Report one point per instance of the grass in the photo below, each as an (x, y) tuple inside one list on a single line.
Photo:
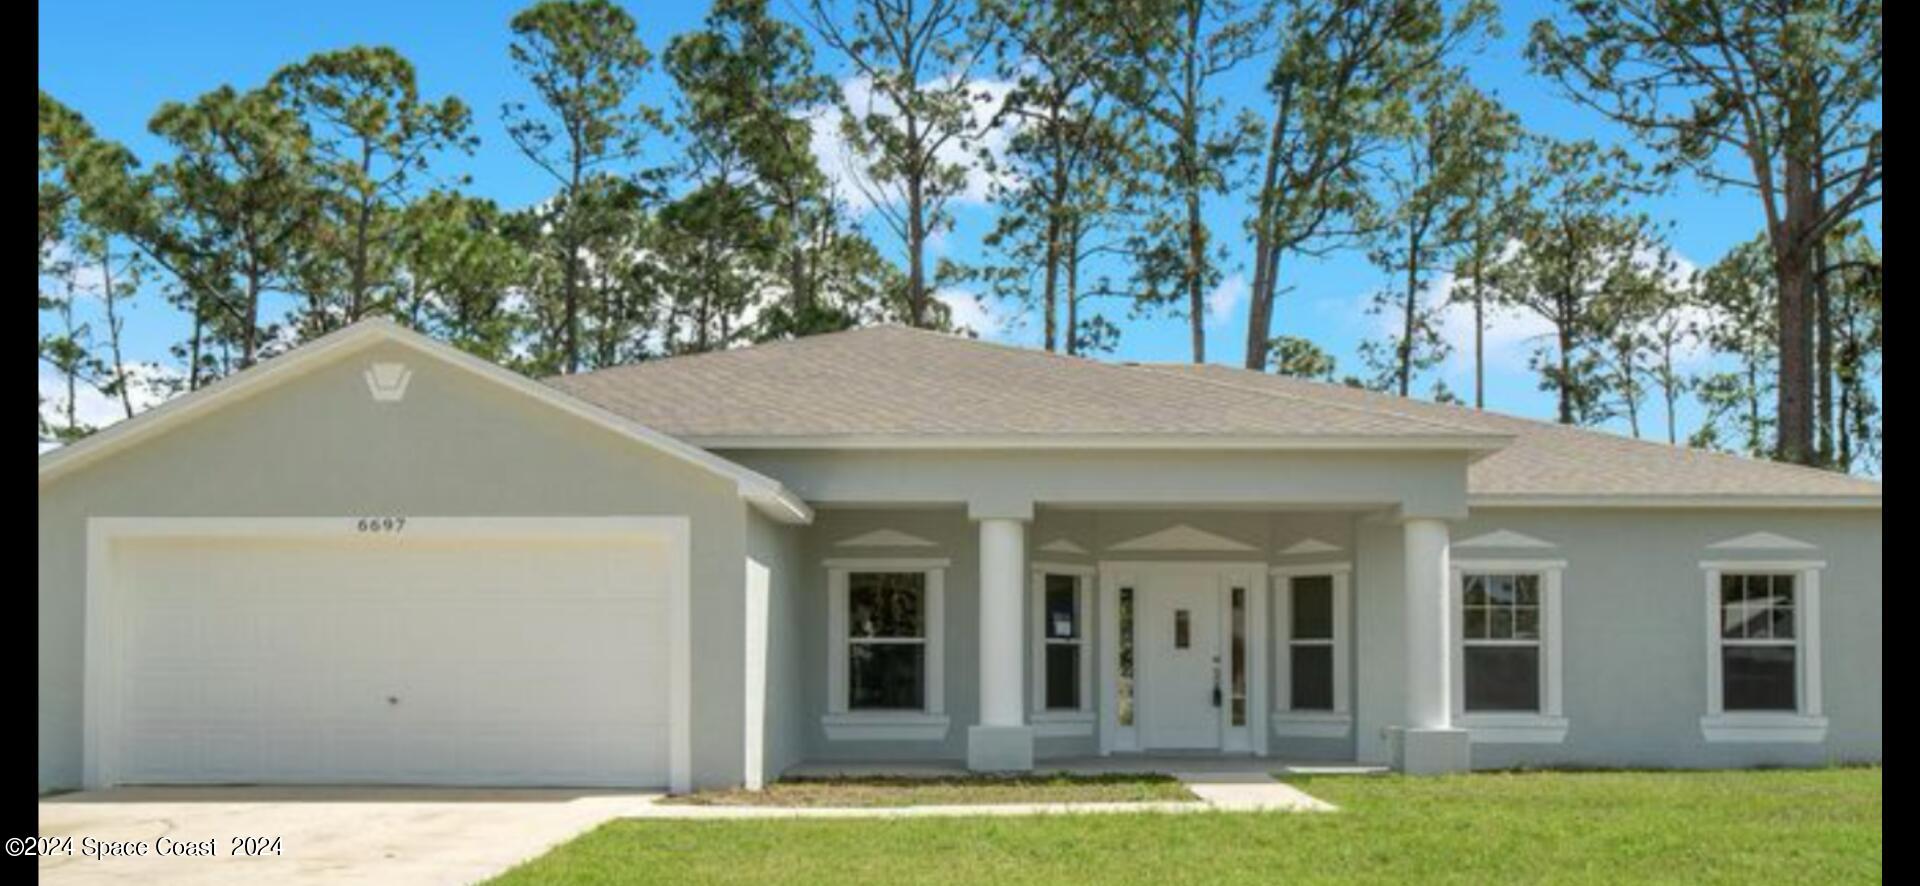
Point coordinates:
[(1819, 826), (958, 790)]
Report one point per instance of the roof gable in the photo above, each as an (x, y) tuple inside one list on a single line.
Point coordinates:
[(388, 384)]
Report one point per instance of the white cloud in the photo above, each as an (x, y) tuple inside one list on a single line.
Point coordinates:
[(1225, 299), (969, 311), (842, 164), (95, 409)]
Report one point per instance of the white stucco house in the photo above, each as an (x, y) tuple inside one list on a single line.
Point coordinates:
[(378, 560)]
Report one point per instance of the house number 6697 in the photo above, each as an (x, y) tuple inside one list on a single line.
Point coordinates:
[(384, 525)]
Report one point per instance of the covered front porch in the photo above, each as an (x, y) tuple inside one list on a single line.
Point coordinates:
[(1099, 638)]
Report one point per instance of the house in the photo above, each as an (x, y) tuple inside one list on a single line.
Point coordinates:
[(377, 559)]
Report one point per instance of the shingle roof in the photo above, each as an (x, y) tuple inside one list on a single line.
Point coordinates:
[(897, 383), (892, 381), (1552, 460)]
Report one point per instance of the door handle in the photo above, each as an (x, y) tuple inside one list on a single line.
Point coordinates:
[(1216, 695)]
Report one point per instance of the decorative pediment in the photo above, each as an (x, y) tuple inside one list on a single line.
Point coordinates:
[(1309, 546), (885, 538), (1062, 546), (1504, 538), (1761, 541), (1181, 538), (387, 382)]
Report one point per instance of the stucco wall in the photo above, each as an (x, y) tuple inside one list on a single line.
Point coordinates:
[(778, 548), (456, 446), (1634, 618)]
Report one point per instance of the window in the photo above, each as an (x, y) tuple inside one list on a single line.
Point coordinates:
[(884, 669), (886, 640), (1062, 651), (1506, 653), (1310, 648), (1763, 657), (1238, 674), (1500, 625), (1123, 706), (1310, 663)]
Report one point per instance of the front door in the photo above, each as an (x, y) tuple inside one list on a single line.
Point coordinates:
[(1179, 703)]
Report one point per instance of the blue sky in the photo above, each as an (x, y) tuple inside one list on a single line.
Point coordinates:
[(117, 61)]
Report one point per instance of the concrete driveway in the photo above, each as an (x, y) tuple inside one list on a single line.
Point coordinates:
[(326, 835)]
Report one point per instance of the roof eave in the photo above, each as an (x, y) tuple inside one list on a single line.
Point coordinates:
[(1471, 443), (1678, 501)]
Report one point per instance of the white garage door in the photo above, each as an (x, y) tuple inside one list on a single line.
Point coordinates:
[(399, 660)]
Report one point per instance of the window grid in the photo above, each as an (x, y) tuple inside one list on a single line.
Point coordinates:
[(1298, 636), (1073, 637), (1502, 610), (860, 634)]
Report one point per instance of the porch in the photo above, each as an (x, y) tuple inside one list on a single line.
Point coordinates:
[(1111, 640)]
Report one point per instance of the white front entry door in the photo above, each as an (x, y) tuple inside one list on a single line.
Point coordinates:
[(1179, 705)]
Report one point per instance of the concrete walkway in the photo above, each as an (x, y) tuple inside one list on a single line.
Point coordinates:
[(1220, 784)]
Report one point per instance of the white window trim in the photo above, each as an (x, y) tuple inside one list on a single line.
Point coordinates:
[(929, 724), (1059, 722), (1804, 725), (1549, 725), (1285, 721)]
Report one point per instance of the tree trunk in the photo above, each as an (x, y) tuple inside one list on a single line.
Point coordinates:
[(1411, 311), (1190, 180), (110, 300), (1479, 336), (1260, 298), (1564, 332), (1073, 288), (1794, 415)]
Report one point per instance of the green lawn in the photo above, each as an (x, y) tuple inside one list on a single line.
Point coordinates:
[(969, 790), (1814, 826)]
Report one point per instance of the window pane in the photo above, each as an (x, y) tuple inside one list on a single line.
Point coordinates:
[(1238, 676), (1502, 678), (1733, 620), (1063, 617), (1526, 590), (1500, 589), (1731, 588), (1475, 626), (1124, 704), (885, 604), (1063, 677), (1182, 633), (1500, 623), (1757, 678), (1526, 623), (1313, 607), (1783, 590), (887, 676), (1312, 678), (1475, 592), (1782, 622)]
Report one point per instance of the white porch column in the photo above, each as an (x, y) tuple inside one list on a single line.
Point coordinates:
[(1429, 683), (1428, 742), (1002, 741), (1003, 558)]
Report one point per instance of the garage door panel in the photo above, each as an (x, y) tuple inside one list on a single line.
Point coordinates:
[(439, 662)]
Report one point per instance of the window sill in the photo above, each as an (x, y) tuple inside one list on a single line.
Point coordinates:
[(885, 726), (1514, 728), (1764, 727), (1311, 724), (1062, 724)]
